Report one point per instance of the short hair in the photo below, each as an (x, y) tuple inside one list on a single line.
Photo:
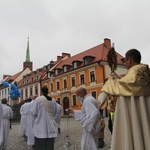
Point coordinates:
[(44, 90), (29, 99), (81, 89), (4, 101), (134, 54)]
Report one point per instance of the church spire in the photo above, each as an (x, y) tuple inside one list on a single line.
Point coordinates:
[(28, 52), (28, 63)]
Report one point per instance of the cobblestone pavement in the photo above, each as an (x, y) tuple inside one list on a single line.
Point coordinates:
[(69, 127)]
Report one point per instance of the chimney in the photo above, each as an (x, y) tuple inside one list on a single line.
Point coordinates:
[(65, 54), (59, 58), (4, 76), (107, 43)]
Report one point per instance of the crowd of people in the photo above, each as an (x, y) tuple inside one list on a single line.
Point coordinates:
[(128, 102)]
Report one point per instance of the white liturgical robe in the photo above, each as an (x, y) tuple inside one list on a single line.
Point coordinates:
[(131, 130), (89, 117), (23, 123), (43, 124), (5, 125), (30, 124)]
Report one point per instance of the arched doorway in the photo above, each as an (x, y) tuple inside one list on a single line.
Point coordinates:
[(65, 104)]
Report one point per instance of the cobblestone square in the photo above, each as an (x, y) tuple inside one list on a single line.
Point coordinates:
[(69, 127)]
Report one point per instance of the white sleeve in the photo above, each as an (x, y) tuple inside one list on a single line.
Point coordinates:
[(102, 97)]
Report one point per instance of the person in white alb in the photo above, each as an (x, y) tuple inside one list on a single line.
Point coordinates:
[(89, 116), (43, 111), (5, 124), (24, 113)]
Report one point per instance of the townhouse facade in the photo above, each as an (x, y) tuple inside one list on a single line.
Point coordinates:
[(31, 83), (88, 69)]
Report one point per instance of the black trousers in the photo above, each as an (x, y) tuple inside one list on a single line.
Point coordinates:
[(44, 143)]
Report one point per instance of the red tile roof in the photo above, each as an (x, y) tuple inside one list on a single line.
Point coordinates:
[(99, 52), (12, 78)]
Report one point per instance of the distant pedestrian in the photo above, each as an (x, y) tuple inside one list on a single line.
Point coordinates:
[(5, 124)]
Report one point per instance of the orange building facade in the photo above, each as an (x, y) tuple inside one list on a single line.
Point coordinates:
[(88, 69)]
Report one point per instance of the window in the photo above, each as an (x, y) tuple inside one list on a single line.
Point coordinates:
[(88, 60), (82, 78), (92, 76), (58, 85), (73, 81), (26, 93), (56, 72), (51, 87), (75, 65), (37, 78), (65, 68), (36, 90), (74, 100), (31, 91), (94, 94), (65, 83)]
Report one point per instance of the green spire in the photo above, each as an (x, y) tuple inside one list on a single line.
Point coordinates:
[(28, 52)]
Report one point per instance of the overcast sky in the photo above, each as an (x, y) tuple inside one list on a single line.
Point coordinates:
[(71, 26)]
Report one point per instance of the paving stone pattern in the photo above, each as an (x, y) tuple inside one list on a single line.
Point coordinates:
[(69, 127)]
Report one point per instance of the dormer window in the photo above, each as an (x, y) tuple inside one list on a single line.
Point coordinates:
[(65, 68), (76, 64), (56, 72), (45, 68), (88, 60)]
